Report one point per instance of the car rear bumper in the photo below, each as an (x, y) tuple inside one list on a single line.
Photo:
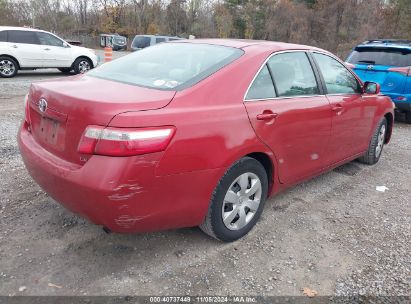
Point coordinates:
[(121, 193)]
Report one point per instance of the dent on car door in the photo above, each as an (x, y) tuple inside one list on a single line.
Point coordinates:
[(352, 115), (290, 114), (26, 47), (55, 53)]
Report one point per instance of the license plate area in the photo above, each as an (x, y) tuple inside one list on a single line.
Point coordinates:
[(50, 132)]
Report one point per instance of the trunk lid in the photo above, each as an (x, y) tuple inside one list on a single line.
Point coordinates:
[(61, 109)]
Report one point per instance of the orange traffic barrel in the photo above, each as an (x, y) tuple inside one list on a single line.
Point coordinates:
[(108, 54)]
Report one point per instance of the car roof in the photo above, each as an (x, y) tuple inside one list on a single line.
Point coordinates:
[(159, 36), (17, 28), (386, 43), (244, 43)]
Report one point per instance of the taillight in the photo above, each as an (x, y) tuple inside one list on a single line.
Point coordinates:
[(403, 70), (26, 109), (125, 141)]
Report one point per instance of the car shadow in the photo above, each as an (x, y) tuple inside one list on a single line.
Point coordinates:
[(41, 73)]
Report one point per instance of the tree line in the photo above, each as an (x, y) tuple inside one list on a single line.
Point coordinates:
[(335, 25)]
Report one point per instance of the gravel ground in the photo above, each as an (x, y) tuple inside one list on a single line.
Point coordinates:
[(334, 234)]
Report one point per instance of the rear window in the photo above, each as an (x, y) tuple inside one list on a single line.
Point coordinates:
[(141, 42), (160, 39), (168, 66), (381, 56), (28, 37)]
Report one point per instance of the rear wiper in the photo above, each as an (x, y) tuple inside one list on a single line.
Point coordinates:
[(367, 61)]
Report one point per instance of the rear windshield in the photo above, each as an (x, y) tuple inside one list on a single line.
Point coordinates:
[(381, 56), (168, 66)]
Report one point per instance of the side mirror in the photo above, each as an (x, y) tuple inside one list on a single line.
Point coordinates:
[(371, 87), (66, 45)]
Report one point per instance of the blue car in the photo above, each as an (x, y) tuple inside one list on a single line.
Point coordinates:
[(387, 62)]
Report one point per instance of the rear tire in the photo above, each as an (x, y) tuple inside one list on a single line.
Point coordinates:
[(8, 67), (82, 65), (237, 201), (376, 145), (65, 70), (408, 117)]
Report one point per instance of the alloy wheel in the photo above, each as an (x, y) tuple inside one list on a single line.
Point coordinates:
[(7, 67), (380, 142), (84, 66)]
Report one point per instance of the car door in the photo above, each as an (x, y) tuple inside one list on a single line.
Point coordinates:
[(290, 114), (352, 115), (56, 52), (26, 47)]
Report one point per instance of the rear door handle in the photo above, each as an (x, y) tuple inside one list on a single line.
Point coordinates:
[(266, 115), (47, 49), (14, 46)]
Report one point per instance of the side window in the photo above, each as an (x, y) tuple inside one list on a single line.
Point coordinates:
[(160, 39), (28, 37), (338, 79), (142, 41), (47, 39), (293, 75), (262, 86), (3, 36)]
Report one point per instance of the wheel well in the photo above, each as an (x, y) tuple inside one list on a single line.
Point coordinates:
[(390, 122), (14, 58), (265, 160), (85, 57)]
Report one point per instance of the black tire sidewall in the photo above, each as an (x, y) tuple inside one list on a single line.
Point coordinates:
[(244, 165), (15, 65)]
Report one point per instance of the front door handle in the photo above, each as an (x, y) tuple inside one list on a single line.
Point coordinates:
[(337, 108), (14, 46), (47, 49), (266, 115)]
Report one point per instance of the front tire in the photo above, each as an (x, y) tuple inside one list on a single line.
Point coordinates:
[(82, 65), (8, 67), (237, 201), (376, 145)]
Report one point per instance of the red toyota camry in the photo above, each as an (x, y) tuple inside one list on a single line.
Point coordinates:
[(198, 132)]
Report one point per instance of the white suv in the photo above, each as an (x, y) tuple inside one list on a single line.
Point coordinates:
[(29, 49)]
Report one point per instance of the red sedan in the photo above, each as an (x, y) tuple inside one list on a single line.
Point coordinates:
[(198, 132)]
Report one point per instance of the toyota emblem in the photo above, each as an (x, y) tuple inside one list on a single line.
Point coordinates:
[(42, 105)]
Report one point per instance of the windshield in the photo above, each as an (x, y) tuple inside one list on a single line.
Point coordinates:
[(168, 66), (381, 56), (119, 39)]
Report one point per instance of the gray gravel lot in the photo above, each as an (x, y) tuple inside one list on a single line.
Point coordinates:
[(335, 234)]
